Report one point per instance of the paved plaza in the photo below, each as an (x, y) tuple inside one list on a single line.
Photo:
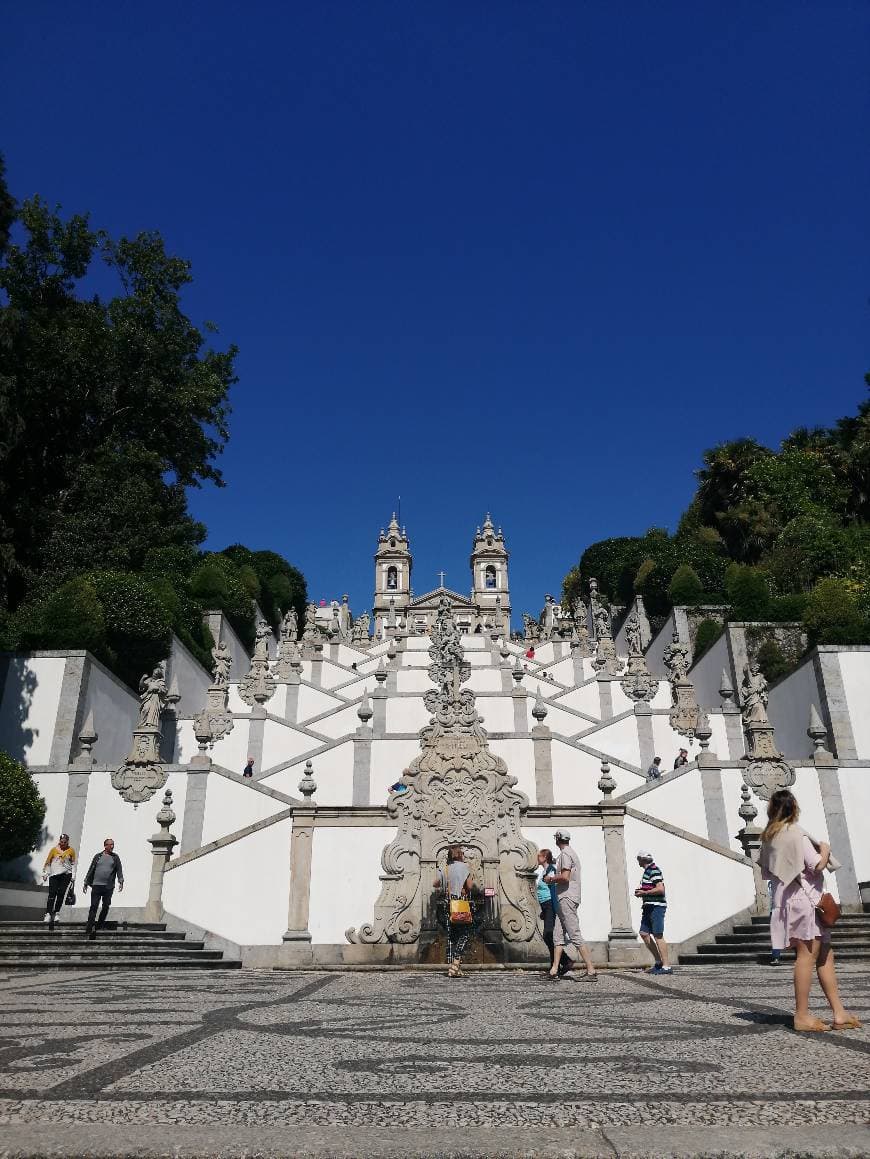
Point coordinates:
[(412, 1063)]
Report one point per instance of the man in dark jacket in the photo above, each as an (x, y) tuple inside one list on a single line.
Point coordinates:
[(104, 870)]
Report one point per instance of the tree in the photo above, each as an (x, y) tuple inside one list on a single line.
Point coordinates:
[(832, 615), (708, 633), (22, 810), (110, 406), (747, 592), (685, 587)]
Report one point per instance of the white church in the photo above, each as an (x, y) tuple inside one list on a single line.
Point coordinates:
[(373, 752)]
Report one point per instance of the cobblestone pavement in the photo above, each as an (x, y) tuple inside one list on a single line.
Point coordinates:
[(413, 1063)]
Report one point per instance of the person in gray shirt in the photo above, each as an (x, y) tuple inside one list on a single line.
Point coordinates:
[(104, 871)]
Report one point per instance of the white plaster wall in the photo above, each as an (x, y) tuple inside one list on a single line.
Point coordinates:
[(576, 774), (345, 881), (855, 787), (412, 680), (855, 671), (618, 739), (668, 742), (277, 704), (588, 842), (498, 712), (564, 722), (679, 801), (53, 788), (193, 680), (732, 781), (563, 671), (474, 643), (408, 714), (703, 887), (585, 699), (240, 891), (544, 653), (706, 675), (115, 710), (355, 689), (28, 709), (221, 629), (107, 815), (547, 690), (390, 758), (479, 659), (230, 806), (231, 751), (481, 680), (348, 656), (331, 675), (344, 722), (519, 757), (312, 702), (417, 644), (333, 772), (657, 646), (789, 710), (235, 702), (282, 743)]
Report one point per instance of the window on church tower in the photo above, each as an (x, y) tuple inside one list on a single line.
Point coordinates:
[(489, 577), (392, 579)]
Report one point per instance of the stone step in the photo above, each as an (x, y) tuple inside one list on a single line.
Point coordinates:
[(714, 959), (764, 939), (11, 927), (63, 946), (845, 919), (94, 949), (65, 933), (113, 961)]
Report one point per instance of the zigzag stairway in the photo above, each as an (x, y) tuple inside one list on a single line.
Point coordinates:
[(750, 943)]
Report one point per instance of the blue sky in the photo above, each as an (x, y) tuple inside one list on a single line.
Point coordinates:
[(531, 257)]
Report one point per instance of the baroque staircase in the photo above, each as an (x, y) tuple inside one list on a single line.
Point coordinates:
[(750, 943), (138, 945)]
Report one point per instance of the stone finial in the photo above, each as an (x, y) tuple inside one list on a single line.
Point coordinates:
[(381, 673), (518, 672), (87, 739), (504, 651), (818, 734), (703, 731), (308, 785), (726, 691), (365, 711), (539, 709), (391, 647), (173, 695), (747, 810), (606, 782), (166, 816)]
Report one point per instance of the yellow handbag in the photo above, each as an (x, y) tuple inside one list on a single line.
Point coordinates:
[(460, 911)]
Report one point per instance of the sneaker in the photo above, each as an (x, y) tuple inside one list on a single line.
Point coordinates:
[(656, 969), (664, 970), (775, 961), (47, 917)]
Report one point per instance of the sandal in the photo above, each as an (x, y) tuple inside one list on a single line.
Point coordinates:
[(850, 1023), (817, 1027)]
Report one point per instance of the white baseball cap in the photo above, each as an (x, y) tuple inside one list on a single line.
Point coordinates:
[(644, 855), (562, 835)]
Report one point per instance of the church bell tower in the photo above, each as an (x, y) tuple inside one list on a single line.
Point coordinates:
[(489, 572), (392, 576)]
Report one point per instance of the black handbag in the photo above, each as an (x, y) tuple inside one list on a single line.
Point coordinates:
[(70, 898)]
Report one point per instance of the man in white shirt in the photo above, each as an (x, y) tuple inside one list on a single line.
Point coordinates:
[(567, 882)]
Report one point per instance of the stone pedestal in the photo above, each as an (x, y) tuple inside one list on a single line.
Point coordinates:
[(300, 876), (162, 844)]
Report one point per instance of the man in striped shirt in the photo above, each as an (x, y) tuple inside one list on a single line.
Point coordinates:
[(651, 891)]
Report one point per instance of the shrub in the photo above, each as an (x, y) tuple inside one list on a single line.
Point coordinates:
[(787, 609), (217, 583), (685, 586), (772, 661), (747, 592), (70, 617), (138, 626), (832, 615), (22, 810), (708, 633)]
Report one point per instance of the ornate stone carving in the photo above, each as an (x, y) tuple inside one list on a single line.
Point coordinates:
[(765, 770), (142, 773), (289, 667), (638, 683), (458, 792), (222, 661), (360, 635), (531, 629), (605, 660), (289, 626), (580, 635), (684, 705), (258, 684)]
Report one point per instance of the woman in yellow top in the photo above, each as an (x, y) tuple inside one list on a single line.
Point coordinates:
[(58, 872)]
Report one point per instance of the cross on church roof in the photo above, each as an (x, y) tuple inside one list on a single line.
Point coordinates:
[(442, 574)]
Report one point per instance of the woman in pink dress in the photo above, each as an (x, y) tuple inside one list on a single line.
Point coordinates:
[(794, 862)]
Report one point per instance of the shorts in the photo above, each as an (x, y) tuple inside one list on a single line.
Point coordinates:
[(652, 920)]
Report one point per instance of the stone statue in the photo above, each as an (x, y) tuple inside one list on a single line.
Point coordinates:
[(345, 619), (580, 612), (223, 660), (755, 695), (633, 635), (261, 641), (601, 615), (361, 629), (530, 628), (152, 699), (676, 658), (310, 622), (289, 626)]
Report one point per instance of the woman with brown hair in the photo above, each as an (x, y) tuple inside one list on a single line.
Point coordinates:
[(456, 883), (794, 861)]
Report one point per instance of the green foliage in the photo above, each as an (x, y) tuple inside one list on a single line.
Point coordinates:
[(772, 661), (281, 586), (138, 625), (787, 609), (809, 546), (833, 616), (747, 592), (217, 583), (685, 587), (22, 810), (708, 633), (70, 617)]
